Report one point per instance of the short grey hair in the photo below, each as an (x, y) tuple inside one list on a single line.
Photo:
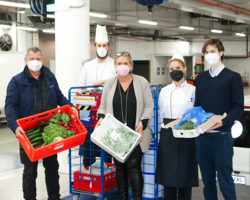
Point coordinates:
[(35, 50)]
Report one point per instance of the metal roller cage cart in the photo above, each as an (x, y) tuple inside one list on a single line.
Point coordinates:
[(91, 170)]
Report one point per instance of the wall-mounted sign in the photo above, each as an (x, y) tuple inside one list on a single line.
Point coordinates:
[(84, 100)]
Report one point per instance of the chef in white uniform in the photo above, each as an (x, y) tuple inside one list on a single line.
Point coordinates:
[(176, 162), (98, 70)]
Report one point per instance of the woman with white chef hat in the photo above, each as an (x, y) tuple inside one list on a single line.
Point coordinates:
[(176, 162)]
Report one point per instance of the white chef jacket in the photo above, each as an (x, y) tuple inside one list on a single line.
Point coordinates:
[(174, 101), (93, 71)]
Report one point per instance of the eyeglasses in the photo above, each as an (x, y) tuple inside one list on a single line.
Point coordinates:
[(123, 54)]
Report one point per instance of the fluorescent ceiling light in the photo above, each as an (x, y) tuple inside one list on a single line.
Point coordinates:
[(187, 28), (90, 14), (5, 26), (51, 16), (216, 31), (17, 5), (26, 28), (97, 15), (240, 34), (147, 22), (49, 31)]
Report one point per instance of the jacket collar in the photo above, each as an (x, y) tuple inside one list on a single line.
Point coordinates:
[(182, 85), (25, 78)]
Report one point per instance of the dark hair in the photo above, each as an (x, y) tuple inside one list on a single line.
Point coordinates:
[(214, 42), (95, 44)]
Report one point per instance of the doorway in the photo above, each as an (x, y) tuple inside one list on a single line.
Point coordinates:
[(142, 68)]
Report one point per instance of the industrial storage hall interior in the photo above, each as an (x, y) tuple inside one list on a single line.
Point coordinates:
[(151, 31)]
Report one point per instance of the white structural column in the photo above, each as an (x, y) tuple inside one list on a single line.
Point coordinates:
[(72, 39)]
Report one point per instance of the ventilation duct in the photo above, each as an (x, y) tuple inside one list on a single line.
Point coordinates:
[(40, 6)]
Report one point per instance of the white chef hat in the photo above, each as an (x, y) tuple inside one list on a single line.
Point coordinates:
[(178, 55), (101, 34)]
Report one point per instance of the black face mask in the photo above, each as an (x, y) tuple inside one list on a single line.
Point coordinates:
[(176, 75)]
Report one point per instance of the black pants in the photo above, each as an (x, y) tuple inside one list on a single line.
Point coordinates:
[(30, 173), (133, 168), (183, 193)]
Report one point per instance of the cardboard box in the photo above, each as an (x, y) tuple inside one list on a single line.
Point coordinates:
[(194, 132), (109, 123)]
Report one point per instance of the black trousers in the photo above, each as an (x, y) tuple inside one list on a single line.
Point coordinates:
[(30, 174), (170, 193), (131, 167)]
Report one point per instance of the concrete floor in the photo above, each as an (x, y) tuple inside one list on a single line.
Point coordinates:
[(11, 180)]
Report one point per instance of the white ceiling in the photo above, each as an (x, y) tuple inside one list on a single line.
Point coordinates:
[(124, 14)]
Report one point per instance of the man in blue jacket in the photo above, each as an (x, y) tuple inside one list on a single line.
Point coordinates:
[(218, 90), (30, 92)]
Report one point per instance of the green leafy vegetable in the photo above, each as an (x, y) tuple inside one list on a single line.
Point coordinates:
[(55, 119), (119, 140), (187, 125), (65, 118), (70, 133), (52, 131)]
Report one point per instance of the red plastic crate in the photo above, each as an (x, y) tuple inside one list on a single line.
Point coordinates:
[(56, 147), (92, 183)]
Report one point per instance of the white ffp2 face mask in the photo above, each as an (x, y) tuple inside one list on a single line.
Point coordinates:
[(212, 58), (101, 52), (34, 65)]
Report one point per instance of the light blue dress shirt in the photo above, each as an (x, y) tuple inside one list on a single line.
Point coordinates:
[(214, 74)]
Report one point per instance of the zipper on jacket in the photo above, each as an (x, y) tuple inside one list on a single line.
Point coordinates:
[(49, 91)]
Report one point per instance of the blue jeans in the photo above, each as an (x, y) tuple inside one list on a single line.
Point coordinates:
[(215, 154)]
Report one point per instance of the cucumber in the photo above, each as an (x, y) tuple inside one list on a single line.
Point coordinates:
[(30, 130), (31, 137), (37, 147), (33, 132), (36, 139), (34, 144)]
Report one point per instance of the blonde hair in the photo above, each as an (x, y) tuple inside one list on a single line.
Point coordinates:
[(128, 57), (179, 61)]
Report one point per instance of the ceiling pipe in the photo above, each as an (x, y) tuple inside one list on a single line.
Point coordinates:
[(222, 6)]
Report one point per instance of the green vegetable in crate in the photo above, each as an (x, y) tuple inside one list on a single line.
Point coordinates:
[(119, 140), (52, 131), (30, 137), (33, 132), (70, 133), (187, 125), (54, 121), (30, 130), (56, 118), (65, 118)]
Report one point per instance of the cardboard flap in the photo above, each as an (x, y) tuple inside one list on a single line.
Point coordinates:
[(209, 123), (172, 124)]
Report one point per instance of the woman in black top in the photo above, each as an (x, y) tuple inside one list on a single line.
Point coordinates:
[(128, 98)]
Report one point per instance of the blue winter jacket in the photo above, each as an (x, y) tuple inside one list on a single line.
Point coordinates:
[(20, 99)]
